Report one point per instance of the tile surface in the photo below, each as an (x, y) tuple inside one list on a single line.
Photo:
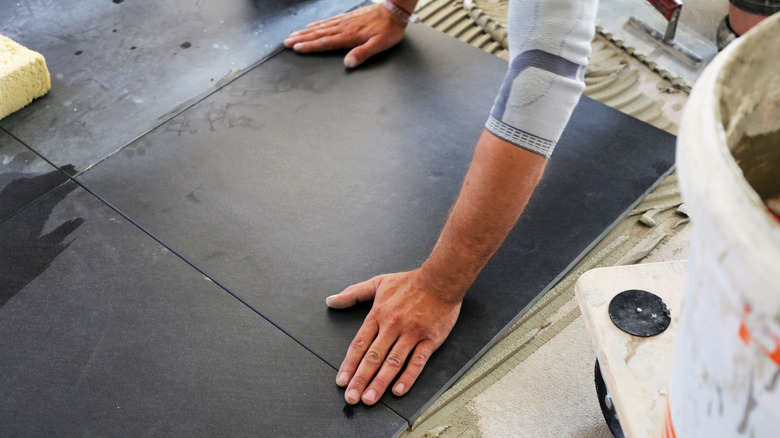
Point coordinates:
[(24, 176), (301, 178), (118, 67), (104, 332)]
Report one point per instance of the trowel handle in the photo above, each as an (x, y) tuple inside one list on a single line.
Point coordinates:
[(667, 8)]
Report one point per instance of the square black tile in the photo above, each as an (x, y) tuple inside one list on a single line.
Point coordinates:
[(105, 332), (24, 176), (120, 67), (301, 178)]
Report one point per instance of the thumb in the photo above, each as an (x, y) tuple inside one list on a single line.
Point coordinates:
[(356, 293), (361, 53)]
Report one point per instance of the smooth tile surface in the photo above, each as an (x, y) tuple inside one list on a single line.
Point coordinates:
[(301, 178), (104, 332), (120, 67), (24, 176)]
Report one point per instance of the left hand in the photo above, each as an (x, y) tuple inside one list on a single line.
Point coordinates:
[(408, 317), (367, 31)]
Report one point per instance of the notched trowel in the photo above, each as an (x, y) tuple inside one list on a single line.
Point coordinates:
[(653, 30)]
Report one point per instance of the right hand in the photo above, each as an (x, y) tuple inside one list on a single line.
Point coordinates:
[(367, 31), (407, 320)]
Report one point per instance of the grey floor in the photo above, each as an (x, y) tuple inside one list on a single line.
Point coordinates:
[(175, 210)]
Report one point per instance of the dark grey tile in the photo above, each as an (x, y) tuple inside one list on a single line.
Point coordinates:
[(104, 332), (24, 176), (301, 178), (120, 67)]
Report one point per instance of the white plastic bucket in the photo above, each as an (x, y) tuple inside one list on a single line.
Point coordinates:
[(726, 372)]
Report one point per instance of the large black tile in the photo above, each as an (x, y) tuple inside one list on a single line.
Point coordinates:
[(24, 176), (104, 332), (301, 178), (119, 67)]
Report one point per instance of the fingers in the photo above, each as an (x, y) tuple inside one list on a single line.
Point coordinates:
[(319, 39), (369, 360), (420, 357), (368, 384), (357, 350), (354, 294), (324, 35), (389, 369), (359, 54)]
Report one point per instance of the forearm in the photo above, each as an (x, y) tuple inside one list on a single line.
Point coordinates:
[(496, 189), (549, 46)]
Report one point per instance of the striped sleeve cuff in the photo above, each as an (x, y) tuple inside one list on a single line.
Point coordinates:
[(520, 138)]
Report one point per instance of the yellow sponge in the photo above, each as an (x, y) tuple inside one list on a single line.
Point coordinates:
[(23, 76)]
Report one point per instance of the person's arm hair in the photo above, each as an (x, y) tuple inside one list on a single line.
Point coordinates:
[(496, 189)]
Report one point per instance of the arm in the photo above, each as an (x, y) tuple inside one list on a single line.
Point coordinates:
[(413, 312), (367, 31)]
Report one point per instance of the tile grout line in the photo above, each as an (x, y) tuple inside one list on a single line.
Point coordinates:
[(212, 279), (201, 271), (56, 168), (183, 107), (163, 120)]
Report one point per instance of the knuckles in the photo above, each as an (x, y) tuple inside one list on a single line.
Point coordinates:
[(373, 357), (359, 344), (419, 360), (394, 361)]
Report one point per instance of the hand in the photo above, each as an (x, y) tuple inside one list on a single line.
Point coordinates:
[(407, 317), (367, 31)]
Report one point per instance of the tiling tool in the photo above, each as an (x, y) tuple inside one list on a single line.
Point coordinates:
[(658, 39), (671, 10)]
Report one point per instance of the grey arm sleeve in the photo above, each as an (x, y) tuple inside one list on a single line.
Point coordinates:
[(549, 45)]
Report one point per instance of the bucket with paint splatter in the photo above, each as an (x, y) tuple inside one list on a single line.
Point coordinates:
[(726, 370)]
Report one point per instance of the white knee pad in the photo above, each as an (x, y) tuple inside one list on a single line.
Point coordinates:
[(549, 45)]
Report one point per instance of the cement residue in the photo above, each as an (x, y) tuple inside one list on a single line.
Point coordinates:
[(498, 9), (749, 91), (463, 424), (759, 158)]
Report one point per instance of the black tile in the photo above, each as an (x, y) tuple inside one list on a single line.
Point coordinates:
[(301, 178), (24, 176), (118, 68), (104, 332)]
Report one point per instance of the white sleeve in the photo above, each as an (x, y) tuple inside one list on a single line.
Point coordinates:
[(549, 45)]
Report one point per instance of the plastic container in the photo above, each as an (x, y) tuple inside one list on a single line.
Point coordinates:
[(726, 371)]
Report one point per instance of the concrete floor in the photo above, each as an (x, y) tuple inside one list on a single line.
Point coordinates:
[(552, 393)]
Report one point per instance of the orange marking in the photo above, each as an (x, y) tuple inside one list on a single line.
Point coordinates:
[(744, 334), (775, 355), (668, 431)]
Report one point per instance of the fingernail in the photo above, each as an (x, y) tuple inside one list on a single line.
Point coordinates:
[(342, 379), (353, 396), (287, 42), (350, 61), (399, 389), (329, 300), (370, 396)]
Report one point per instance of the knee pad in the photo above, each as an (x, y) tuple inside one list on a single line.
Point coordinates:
[(549, 45)]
